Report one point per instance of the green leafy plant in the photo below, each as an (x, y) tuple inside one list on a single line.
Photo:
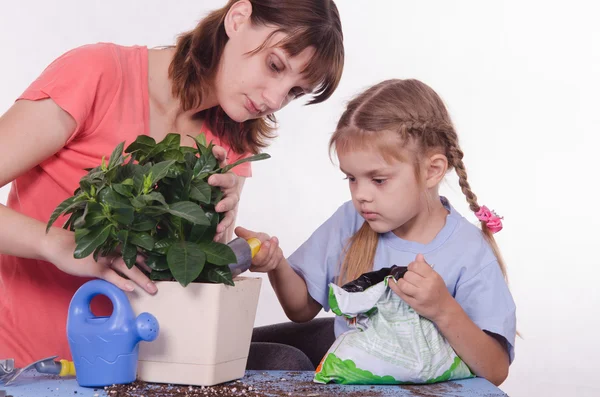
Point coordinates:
[(154, 201)]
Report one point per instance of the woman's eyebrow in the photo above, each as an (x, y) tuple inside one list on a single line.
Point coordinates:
[(305, 88)]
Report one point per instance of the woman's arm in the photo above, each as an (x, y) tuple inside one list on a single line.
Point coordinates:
[(30, 132)]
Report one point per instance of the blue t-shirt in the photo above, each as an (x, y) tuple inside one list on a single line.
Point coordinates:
[(459, 253)]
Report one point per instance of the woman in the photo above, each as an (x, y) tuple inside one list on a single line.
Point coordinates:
[(226, 77)]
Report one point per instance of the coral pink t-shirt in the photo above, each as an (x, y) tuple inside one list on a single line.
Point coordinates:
[(104, 87)]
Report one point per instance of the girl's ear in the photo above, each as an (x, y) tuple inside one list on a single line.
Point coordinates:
[(237, 16), (437, 166)]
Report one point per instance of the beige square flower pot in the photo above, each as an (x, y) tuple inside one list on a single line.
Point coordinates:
[(205, 331)]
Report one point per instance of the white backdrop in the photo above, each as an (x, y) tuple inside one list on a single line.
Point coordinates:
[(521, 81)]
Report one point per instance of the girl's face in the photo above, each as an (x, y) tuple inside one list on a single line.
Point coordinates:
[(249, 86), (386, 194)]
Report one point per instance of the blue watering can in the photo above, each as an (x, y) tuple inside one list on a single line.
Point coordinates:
[(105, 349)]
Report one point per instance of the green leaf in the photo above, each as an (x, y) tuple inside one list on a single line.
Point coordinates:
[(200, 140), (210, 232), (200, 191), (143, 223), (189, 211), (62, 207), (188, 150), (78, 217), (205, 164), (160, 170), (162, 246), (79, 233), (84, 185), (156, 151), (161, 276), (117, 156), (142, 240), (113, 199), (139, 173), (129, 254), (94, 215), (143, 200), (123, 189), (142, 145), (217, 253), (256, 157), (197, 232), (124, 216), (172, 141), (220, 275), (123, 236), (157, 262), (68, 225), (186, 261), (175, 155), (87, 243)]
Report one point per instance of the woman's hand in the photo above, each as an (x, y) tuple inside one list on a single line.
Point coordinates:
[(58, 247), (270, 254), (230, 184)]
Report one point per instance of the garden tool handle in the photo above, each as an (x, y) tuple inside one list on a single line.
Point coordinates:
[(60, 368), (254, 244), (67, 368), (244, 251)]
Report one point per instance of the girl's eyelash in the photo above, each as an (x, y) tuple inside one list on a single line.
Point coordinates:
[(297, 92), (379, 181), (274, 66)]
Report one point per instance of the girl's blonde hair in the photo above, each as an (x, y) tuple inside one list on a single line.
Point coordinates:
[(307, 23), (417, 114)]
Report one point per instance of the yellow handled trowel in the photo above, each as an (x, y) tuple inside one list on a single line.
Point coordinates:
[(8, 372)]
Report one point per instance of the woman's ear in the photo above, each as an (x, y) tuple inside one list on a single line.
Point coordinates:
[(437, 166), (237, 16)]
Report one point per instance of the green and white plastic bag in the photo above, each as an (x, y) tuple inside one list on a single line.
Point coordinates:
[(389, 343)]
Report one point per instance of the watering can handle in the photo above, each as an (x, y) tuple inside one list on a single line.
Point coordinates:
[(79, 309)]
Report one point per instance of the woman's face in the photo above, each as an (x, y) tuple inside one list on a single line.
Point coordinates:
[(249, 86)]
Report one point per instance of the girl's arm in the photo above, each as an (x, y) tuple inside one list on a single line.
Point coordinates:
[(289, 287), (293, 294), (482, 352), (425, 291)]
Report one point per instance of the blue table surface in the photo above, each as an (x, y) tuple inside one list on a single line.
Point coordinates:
[(255, 383)]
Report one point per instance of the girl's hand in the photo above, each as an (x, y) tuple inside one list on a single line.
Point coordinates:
[(423, 289), (59, 245), (269, 256), (229, 184)]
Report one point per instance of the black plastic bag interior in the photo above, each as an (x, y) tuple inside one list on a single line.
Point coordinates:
[(371, 278)]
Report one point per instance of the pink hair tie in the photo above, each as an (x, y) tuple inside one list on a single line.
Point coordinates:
[(492, 221)]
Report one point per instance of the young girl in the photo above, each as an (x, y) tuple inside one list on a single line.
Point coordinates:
[(395, 143)]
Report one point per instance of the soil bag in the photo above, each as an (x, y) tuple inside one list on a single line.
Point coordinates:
[(388, 343)]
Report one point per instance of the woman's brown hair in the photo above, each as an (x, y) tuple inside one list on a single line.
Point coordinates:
[(198, 52), (416, 114)]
